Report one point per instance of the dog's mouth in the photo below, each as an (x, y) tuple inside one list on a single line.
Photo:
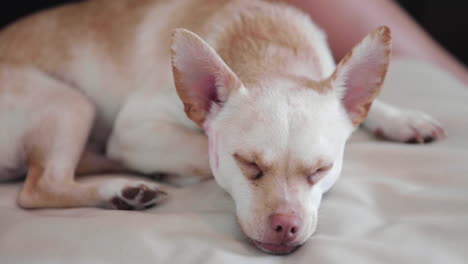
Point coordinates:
[(276, 249)]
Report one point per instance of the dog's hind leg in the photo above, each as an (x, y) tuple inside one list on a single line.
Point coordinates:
[(155, 145), (178, 152), (56, 123), (403, 125)]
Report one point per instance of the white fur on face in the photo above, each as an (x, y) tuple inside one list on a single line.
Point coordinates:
[(284, 127), (289, 127)]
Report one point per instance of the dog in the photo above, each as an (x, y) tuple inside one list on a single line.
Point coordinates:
[(246, 91)]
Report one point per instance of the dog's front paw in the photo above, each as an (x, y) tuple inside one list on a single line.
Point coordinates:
[(409, 126), (133, 195)]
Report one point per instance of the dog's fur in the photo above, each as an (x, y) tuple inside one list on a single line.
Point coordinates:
[(88, 88)]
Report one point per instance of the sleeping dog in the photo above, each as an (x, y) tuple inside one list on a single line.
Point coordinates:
[(245, 91)]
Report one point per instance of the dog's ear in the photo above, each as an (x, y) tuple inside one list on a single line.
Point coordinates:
[(202, 79), (359, 76)]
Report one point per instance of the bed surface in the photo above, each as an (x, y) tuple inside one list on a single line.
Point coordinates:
[(394, 203)]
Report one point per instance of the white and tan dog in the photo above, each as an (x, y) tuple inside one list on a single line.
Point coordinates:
[(88, 88)]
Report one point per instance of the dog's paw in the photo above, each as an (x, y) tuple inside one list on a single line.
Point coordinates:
[(133, 195), (409, 126)]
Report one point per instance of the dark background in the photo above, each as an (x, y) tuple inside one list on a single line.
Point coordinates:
[(446, 21)]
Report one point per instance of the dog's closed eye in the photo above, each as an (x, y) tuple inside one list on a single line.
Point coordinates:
[(249, 168), (318, 174)]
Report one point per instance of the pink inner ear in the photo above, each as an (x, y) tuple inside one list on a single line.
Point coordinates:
[(362, 82), (200, 75), (356, 89), (204, 89)]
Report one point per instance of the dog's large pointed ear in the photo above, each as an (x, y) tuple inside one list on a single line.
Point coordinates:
[(359, 76), (202, 79)]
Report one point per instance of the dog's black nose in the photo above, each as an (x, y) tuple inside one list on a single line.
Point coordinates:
[(286, 227)]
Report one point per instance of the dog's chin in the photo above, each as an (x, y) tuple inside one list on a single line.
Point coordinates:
[(276, 249)]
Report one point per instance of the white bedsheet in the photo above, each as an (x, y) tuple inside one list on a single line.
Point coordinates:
[(395, 203)]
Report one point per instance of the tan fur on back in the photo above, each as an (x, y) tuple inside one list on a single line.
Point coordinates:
[(262, 40), (116, 29)]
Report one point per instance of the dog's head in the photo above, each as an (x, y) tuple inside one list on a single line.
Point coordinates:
[(277, 147)]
